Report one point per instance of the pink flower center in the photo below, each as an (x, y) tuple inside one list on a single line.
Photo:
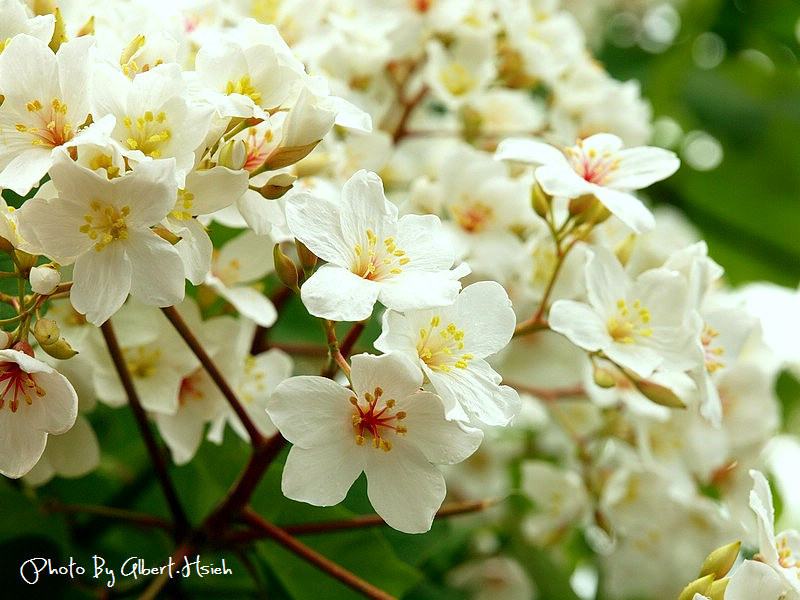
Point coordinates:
[(368, 419), (16, 384), (594, 167)]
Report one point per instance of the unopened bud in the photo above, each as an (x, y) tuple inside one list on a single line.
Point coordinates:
[(698, 586), (604, 377), (540, 200), (5, 339), (283, 157), (658, 393), (44, 279), (308, 260), (277, 186), (59, 31), (588, 209), (285, 269), (233, 155), (60, 350), (717, 589), (720, 561), (46, 332)]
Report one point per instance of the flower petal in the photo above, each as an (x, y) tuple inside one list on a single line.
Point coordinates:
[(579, 323), (102, 282), (337, 294), (403, 487), (157, 269), (321, 475)]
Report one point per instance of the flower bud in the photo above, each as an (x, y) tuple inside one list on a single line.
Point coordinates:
[(285, 269), (44, 7), (44, 279), (46, 332), (658, 393), (588, 209), (60, 350), (717, 589), (277, 186), (233, 155), (540, 200), (604, 377), (5, 339), (720, 561), (308, 260), (284, 156), (132, 48), (698, 586)]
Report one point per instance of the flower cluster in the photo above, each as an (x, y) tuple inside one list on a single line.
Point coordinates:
[(451, 190)]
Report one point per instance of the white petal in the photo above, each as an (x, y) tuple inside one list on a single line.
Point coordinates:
[(529, 151), (312, 411), (403, 487), (25, 171), (562, 180), (486, 316), (425, 242), (102, 282), (182, 433), (640, 167), (606, 281), (21, 446), (315, 222), (75, 452), (627, 208), (250, 303), (321, 475), (440, 440), (157, 269), (477, 390), (579, 323), (415, 290), (754, 579), (54, 227), (639, 359), (153, 180), (364, 207), (337, 294), (394, 373), (54, 412)]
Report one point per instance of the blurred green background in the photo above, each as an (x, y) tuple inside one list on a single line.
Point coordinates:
[(733, 72)]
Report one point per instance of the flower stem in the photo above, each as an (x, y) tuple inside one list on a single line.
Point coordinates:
[(256, 439), (313, 557), (181, 523)]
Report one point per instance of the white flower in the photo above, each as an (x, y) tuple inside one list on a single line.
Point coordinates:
[(597, 165), (154, 117), (780, 552), (450, 343), (404, 264), (104, 227), (242, 261), (16, 20), (71, 454), (45, 103), (754, 579), (640, 325), (384, 427), (35, 400)]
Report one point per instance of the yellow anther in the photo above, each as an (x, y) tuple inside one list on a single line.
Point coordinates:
[(379, 393), (400, 415), (358, 249), (21, 127), (435, 321), (127, 122), (33, 106), (461, 364), (360, 440), (401, 429)]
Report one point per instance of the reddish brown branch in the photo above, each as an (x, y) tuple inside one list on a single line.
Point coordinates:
[(180, 325), (181, 523), (315, 558)]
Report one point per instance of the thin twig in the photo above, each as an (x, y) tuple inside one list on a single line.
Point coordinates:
[(181, 523), (313, 557), (119, 514), (180, 325)]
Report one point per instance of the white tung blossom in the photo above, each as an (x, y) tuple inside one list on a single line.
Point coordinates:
[(450, 344), (385, 427), (372, 255)]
